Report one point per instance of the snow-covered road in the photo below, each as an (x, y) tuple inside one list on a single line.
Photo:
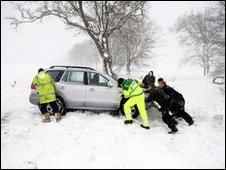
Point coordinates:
[(89, 140)]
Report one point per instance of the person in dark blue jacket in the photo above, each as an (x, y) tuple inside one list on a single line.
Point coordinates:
[(164, 102), (178, 105)]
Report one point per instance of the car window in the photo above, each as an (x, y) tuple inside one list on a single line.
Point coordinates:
[(76, 77), (64, 78), (55, 74), (97, 80)]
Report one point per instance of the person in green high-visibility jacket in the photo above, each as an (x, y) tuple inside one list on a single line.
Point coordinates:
[(132, 90), (47, 94)]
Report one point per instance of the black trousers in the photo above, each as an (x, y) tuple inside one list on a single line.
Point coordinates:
[(179, 111), (53, 105), (168, 119)]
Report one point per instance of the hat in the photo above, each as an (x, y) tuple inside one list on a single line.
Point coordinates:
[(160, 79), (120, 81), (41, 69)]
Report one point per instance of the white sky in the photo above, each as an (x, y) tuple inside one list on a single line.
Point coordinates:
[(49, 41), (41, 42), (165, 13)]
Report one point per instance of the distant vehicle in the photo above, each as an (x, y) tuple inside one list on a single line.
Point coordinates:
[(219, 80), (82, 88)]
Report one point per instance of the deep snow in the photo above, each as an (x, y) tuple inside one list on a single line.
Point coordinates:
[(89, 140)]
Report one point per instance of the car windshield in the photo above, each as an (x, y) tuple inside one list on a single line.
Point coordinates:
[(110, 78)]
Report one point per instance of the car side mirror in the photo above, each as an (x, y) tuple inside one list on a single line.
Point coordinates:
[(110, 84)]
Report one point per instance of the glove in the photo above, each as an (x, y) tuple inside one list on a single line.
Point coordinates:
[(146, 91), (155, 105)]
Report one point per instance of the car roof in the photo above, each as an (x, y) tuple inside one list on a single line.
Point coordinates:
[(67, 66), (64, 67), (87, 69), (80, 69)]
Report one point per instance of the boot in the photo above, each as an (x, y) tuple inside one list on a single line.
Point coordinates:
[(191, 122), (46, 118), (58, 117), (173, 130), (173, 127), (145, 127), (128, 122)]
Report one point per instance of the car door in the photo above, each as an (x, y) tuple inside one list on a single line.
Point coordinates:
[(99, 94), (72, 88)]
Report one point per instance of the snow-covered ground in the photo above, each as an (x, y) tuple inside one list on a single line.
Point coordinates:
[(89, 140)]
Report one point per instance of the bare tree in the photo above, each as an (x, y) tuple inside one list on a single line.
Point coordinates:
[(134, 43), (85, 54), (201, 37), (99, 19), (203, 55), (216, 16), (217, 36)]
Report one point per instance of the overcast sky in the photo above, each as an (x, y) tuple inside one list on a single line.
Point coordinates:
[(49, 41)]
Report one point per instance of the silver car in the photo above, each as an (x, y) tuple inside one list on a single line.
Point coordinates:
[(82, 88)]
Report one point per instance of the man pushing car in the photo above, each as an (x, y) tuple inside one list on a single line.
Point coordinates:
[(133, 91), (47, 94)]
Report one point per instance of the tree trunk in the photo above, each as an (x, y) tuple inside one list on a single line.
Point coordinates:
[(107, 60), (204, 70), (129, 62), (128, 65), (105, 65), (207, 67), (103, 49), (128, 69), (206, 60), (113, 74)]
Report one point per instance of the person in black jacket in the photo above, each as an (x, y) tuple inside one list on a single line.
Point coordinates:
[(178, 104), (149, 80), (164, 101)]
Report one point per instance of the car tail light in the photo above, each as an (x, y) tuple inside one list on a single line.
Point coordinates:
[(33, 86)]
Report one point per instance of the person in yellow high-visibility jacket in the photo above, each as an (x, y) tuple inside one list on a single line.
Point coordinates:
[(47, 94), (132, 90)]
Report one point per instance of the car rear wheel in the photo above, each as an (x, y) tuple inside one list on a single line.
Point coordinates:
[(61, 105)]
